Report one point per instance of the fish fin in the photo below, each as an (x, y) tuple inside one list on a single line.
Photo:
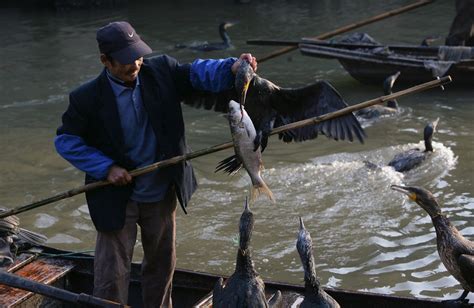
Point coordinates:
[(261, 188), (231, 165)]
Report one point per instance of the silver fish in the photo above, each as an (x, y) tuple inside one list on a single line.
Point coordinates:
[(243, 135)]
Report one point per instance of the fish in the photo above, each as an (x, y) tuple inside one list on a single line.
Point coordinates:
[(243, 135)]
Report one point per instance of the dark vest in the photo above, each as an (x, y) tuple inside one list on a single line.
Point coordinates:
[(93, 115)]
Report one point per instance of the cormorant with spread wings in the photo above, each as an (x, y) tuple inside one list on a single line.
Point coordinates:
[(270, 106)]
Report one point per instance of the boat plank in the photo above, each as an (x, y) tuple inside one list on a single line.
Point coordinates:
[(47, 271)]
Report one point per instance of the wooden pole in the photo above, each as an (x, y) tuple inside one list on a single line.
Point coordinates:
[(348, 28), (16, 281), (310, 42), (227, 145)]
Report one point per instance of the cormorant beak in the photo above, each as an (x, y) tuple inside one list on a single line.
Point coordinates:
[(404, 190), (301, 223), (435, 124), (243, 94), (229, 24), (389, 82)]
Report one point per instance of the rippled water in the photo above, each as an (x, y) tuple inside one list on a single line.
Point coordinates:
[(366, 236)]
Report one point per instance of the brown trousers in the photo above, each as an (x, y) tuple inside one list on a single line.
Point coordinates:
[(114, 252)]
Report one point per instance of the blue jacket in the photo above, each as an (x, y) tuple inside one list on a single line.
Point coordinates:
[(92, 115)]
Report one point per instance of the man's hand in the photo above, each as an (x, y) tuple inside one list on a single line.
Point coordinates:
[(118, 176), (249, 58)]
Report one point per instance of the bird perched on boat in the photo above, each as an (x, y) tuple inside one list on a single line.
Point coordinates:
[(428, 41), (205, 46), (270, 106), (379, 110), (314, 295), (410, 159), (12, 236), (244, 288), (455, 251)]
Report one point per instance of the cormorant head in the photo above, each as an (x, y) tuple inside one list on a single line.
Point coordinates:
[(428, 134), (245, 226), (243, 78), (389, 82), (223, 33), (225, 25), (422, 197), (304, 245)]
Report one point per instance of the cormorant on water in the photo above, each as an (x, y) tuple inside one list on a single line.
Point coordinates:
[(410, 159), (455, 251), (270, 106), (226, 43), (379, 110), (314, 295), (244, 288)]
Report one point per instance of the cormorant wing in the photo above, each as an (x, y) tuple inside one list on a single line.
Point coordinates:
[(407, 160), (211, 101), (314, 100), (466, 265)]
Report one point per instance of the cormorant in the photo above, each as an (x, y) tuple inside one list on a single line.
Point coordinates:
[(427, 41), (244, 288), (270, 106), (410, 159), (226, 43), (455, 251), (379, 110), (314, 295)]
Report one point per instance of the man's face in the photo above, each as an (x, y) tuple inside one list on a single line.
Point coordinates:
[(125, 72)]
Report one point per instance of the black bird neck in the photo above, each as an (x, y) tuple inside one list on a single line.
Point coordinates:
[(310, 279), (428, 145), (443, 226), (244, 264), (225, 37)]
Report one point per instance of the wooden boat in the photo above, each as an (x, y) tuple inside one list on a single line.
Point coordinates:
[(417, 64), (74, 272)]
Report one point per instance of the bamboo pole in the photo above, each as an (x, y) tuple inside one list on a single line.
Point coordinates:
[(348, 27), (227, 145)]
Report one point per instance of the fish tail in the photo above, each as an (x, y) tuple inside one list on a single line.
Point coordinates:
[(261, 188)]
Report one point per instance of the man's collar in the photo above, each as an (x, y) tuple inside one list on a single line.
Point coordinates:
[(118, 86)]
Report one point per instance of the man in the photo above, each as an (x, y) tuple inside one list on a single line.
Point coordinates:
[(128, 117), (461, 32)]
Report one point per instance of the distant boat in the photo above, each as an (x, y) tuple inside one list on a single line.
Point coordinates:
[(74, 272), (372, 63)]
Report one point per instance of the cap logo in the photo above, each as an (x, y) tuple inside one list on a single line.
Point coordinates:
[(130, 34)]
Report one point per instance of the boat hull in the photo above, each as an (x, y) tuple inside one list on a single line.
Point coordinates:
[(370, 68), (194, 289)]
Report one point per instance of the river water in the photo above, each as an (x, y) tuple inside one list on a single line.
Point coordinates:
[(366, 237)]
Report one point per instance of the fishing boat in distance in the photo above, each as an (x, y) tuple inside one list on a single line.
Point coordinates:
[(74, 272), (373, 62)]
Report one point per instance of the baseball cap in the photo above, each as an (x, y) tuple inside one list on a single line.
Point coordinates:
[(119, 40)]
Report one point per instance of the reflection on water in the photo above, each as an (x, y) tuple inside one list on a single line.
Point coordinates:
[(366, 237)]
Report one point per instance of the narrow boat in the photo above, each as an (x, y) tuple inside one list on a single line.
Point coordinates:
[(372, 63), (74, 272)]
